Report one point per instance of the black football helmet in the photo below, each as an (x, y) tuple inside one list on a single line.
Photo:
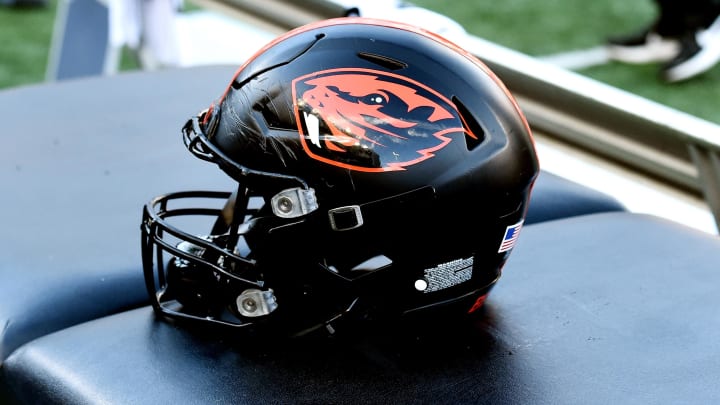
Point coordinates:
[(381, 171)]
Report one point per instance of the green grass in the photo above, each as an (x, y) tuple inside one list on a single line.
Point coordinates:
[(537, 28), (540, 28), (26, 34), (545, 27)]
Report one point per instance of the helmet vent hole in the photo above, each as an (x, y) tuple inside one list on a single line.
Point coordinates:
[(384, 61), (474, 134), (271, 117)]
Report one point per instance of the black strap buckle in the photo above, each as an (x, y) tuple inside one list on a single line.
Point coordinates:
[(345, 218)]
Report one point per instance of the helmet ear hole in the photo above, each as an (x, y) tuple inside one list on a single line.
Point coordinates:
[(474, 134)]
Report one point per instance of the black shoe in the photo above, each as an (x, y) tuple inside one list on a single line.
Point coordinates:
[(647, 46), (699, 52)]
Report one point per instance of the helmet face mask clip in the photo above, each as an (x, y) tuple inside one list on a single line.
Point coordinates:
[(381, 172)]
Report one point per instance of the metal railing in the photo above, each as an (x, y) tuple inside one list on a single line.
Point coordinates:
[(676, 148)]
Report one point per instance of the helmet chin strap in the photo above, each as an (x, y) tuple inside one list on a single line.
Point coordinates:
[(223, 221), (234, 208)]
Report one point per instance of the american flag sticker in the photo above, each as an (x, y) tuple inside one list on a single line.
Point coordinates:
[(511, 234)]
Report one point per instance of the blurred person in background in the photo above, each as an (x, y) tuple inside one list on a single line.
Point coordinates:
[(684, 38)]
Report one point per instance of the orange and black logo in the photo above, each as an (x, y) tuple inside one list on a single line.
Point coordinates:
[(372, 121)]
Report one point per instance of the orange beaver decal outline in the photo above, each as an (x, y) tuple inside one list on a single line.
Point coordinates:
[(372, 121)]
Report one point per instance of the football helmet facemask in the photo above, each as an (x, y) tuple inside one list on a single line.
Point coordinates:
[(381, 171)]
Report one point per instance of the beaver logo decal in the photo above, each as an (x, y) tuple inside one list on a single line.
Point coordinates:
[(372, 121)]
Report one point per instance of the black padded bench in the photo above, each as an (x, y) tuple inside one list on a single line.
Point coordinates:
[(603, 308)]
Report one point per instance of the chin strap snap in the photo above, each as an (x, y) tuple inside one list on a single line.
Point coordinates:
[(253, 302), (294, 202)]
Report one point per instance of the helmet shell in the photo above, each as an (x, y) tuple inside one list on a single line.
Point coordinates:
[(409, 142)]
